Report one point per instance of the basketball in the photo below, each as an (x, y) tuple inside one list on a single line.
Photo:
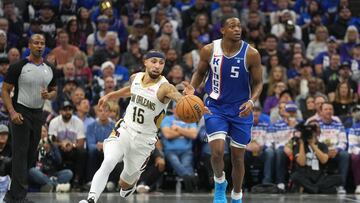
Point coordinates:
[(190, 108)]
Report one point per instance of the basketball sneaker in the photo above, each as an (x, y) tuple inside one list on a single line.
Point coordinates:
[(236, 200), (220, 192), (90, 200)]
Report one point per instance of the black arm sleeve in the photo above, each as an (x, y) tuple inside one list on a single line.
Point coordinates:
[(14, 71), (53, 80)]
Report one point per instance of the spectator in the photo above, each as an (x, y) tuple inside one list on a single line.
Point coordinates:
[(308, 32), (354, 151), (77, 96), (96, 40), (309, 109), (69, 133), (282, 132), (189, 15), (12, 39), (72, 28), (177, 140), (271, 48), (171, 12), (5, 151), (225, 8), (286, 25), (64, 52), (343, 101), (311, 159), (49, 23), (13, 55), (261, 146), (132, 59), (317, 45), (138, 34), (322, 60), (3, 45), (339, 27), (110, 50), (82, 112), (46, 173), (131, 11), (153, 170), (192, 40), (273, 100), (344, 75), (334, 136), (15, 22), (351, 38), (97, 132), (331, 72), (85, 26), (82, 69)]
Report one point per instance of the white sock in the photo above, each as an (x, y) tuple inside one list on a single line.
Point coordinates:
[(235, 195), (100, 178), (221, 179)]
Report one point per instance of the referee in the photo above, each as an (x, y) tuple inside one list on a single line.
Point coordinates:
[(33, 81)]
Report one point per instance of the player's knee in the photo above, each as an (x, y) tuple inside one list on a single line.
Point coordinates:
[(237, 161), (217, 154)]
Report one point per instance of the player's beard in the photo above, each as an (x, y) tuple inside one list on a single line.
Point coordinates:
[(154, 76)]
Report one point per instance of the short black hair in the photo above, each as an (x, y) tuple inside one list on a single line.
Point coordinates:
[(225, 18), (271, 36)]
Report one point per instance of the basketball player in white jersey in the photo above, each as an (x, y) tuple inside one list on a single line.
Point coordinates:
[(134, 137)]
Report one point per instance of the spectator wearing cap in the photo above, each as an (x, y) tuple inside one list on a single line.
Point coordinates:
[(344, 75), (99, 9), (278, 112), (322, 60), (334, 136), (351, 38), (64, 52), (70, 137), (96, 40), (282, 132), (49, 22), (138, 33), (318, 44), (131, 11), (354, 149)]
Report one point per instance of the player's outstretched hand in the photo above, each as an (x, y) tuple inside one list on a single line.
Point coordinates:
[(188, 89), (102, 101), (246, 109)]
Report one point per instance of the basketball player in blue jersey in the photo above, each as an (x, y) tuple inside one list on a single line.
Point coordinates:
[(233, 83)]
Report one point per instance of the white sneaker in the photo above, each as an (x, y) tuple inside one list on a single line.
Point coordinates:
[(142, 189), (281, 186), (357, 191), (65, 187), (341, 190)]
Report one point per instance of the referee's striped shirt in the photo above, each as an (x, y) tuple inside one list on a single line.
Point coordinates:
[(29, 79)]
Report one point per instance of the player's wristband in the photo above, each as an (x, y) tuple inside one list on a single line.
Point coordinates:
[(252, 102)]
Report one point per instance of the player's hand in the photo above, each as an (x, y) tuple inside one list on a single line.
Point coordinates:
[(189, 89), (103, 101), (16, 118), (45, 94), (207, 110), (245, 109), (288, 151), (99, 146), (160, 163)]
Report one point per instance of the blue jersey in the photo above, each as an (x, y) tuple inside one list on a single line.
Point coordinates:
[(228, 80)]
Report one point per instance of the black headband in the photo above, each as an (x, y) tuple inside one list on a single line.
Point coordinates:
[(155, 54)]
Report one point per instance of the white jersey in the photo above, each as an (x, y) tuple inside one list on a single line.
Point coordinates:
[(145, 111)]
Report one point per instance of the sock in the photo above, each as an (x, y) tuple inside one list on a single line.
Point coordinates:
[(235, 195), (221, 179)]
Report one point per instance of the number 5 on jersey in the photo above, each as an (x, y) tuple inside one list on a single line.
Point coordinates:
[(138, 115), (234, 71)]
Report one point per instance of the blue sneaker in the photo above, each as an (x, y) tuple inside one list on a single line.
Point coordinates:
[(236, 201), (220, 192)]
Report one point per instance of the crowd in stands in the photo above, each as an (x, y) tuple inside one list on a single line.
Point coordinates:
[(310, 52)]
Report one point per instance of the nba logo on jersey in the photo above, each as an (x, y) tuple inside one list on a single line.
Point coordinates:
[(216, 77)]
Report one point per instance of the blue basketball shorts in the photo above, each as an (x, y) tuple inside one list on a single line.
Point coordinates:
[(224, 119)]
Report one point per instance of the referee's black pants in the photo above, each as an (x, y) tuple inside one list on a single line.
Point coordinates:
[(25, 140)]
